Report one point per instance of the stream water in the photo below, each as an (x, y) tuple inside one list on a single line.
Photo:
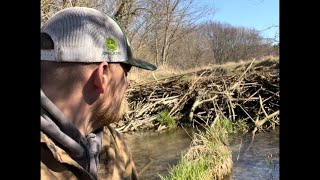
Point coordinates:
[(155, 152)]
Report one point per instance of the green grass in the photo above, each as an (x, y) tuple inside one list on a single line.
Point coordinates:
[(196, 170), (209, 156), (165, 119), (230, 127), (240, 126)]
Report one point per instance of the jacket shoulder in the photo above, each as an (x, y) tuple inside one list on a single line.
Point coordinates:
[(56, 165), (116, 157)]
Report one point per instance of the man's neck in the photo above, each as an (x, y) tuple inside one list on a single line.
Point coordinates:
[(75, 109)]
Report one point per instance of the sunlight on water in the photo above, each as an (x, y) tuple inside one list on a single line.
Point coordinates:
[(154, 152)]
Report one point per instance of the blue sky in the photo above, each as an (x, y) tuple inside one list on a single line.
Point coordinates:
[(257, 14)]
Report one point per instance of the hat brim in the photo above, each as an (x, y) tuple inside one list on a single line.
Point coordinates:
[(140, 64)]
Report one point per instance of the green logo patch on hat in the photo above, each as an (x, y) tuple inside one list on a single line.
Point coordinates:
[(111, 44)]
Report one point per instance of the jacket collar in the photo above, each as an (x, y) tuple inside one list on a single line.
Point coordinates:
[(84, 150)]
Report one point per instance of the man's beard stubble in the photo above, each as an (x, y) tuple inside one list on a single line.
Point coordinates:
[(107, 114)]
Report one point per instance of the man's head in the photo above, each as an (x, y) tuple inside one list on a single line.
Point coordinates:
[(85, 58)]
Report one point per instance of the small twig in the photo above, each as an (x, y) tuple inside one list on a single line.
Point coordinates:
[(276, 94), (197, 103), (146, 167), (186, 132), (126, 127), (246, 112), (252, 95), (154, 77), (241, 77), (149, 97), (182, 100), (244, 99), (267, 99), (231, 107), (253, 134), (70, 3), (165, 99), (239, 149), (261, 122), (261, 104)]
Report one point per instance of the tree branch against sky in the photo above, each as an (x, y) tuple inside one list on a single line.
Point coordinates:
[(188, 33), (262, 15)]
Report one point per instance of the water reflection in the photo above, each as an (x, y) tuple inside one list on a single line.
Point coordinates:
[(260, 160), (154, 152)]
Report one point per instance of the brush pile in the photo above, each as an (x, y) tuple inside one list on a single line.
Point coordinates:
[(250, 93)]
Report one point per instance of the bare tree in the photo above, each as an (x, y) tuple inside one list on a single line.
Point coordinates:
[(174, 33), (193, 50), (50, 7), (229, 43), (153, 26), (176, 19)]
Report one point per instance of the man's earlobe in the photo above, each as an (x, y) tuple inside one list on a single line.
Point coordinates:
[(100, 79)]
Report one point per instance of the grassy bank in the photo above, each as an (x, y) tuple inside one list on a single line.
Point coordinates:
[(209, 156), (225, 99), (138, 76)]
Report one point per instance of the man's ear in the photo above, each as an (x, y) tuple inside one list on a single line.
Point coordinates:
[(100, 77)]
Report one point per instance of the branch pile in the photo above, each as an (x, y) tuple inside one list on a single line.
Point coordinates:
[(252, 95)]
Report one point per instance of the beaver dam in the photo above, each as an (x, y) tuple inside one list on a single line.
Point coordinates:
[(249, 92), (220, 100)]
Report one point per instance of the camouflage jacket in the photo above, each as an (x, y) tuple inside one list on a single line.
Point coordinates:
[(67, 154), (115, 160)]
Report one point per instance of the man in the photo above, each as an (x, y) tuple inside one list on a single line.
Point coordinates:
[(85, 58)]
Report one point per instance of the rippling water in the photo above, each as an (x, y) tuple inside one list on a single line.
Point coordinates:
[(154, 152), (260, 160)]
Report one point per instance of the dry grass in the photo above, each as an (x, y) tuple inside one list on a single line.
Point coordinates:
[(137, 75), (209, 156)]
